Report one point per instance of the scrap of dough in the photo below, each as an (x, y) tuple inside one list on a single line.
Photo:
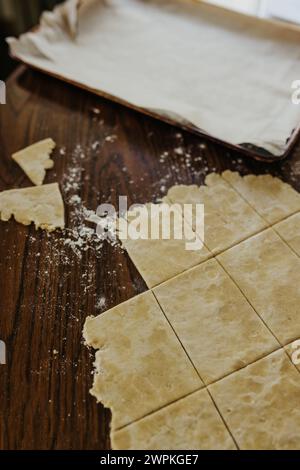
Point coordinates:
[(268, 273), (214, 322), (191, 423), (160, 260), (289, 230), (42, 205), (260, 404), (140, 365), (269, 196), (35, 160), (228, 218)]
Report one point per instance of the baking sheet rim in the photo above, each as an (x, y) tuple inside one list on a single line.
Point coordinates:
[(260, 154)]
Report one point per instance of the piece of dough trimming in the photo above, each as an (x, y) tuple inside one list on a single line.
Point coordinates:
[(191, 423), (218, 328), (140, 366), (42, 205), (260, 404), (268, 273), (269, 196), (35, 160)]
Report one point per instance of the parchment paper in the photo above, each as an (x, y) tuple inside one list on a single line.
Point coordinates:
[(228, 74)]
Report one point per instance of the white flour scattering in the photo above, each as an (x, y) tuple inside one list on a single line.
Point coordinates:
[(72, 179), (178, 161), (163, 157), (80, 235), (98, 144), (73, 256), (105, 227), (101, 303)]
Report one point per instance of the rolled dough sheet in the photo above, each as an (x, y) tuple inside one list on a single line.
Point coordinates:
[(269, 196), (289, 230), (215, 323), (167, 57), (35, 160), (260, 404), (145, 375), (228, 218), (42, 205), (141, 366), (268, 273), (190, 423), (160, 260)]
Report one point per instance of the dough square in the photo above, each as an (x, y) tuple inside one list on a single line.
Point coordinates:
[(268, 273), (191, 423), (269, 196), (260, 404), (140, 364), (160, 260), (228, 218), (217, 326), (289, 230)]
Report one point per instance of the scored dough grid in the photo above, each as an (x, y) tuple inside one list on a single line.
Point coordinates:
[(270, 224), (280, 346)]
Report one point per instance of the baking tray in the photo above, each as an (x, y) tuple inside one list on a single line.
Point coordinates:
[(68, 16)]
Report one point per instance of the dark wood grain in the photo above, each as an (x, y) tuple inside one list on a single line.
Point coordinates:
[(44, 395)]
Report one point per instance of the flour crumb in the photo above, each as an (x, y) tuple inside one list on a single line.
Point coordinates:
[(95, 145), (101, 303), (96, 111), (110, 138), (178, 151), (295, 168)]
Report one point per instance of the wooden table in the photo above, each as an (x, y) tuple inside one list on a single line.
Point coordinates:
[(44, 387)]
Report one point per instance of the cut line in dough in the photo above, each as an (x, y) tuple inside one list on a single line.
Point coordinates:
[(191, 423), (268, 273), (35, 160), (162, 259), (289, 231), (228, 218), (215, 323), (140, 364), (272, 199), (260, 404), (42, 205)]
